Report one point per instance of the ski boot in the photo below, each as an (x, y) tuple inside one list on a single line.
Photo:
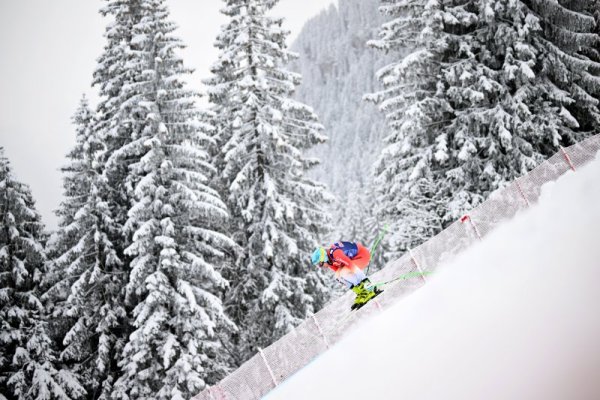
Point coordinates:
[(364, 293), (360, 296)]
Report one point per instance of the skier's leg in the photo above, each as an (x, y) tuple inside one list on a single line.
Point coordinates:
[(352, 275), (345, 277), (356, 278)]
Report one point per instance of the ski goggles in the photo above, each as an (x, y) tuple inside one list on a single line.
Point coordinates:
[(319, 257)]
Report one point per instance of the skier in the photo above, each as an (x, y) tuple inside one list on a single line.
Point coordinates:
[(348, 260)]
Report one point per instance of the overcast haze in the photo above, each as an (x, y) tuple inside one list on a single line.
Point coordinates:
[(48, 54)]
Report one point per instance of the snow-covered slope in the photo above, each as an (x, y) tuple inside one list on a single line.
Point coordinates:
[(516, 316)]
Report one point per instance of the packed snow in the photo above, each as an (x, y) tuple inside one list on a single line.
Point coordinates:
[(514, 317)]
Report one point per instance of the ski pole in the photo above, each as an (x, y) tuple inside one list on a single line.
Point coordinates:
[(376, 244), (413, 274), (379, 238)]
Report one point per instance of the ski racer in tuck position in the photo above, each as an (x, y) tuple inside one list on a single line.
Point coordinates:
[(348, 260)]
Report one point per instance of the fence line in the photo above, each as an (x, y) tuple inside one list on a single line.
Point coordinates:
[(417, 264), (274, 364)]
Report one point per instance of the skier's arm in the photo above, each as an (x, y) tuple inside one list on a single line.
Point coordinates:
[(334, 268), (341, 258)]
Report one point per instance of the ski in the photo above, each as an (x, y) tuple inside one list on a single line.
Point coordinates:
[(375, 286), (415, 274)]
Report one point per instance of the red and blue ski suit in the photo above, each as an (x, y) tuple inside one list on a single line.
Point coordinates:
[(348, 260)]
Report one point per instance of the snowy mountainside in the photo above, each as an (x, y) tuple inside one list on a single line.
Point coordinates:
[(337, 70), (513, 317)]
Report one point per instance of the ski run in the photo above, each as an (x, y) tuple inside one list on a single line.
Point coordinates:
[(514, 317)]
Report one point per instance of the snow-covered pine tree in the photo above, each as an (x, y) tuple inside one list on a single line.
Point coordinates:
[(408, 190), (573, 74), (114, 128), (594, 52), (277, 212), (175, 224), (28, 367), (113, 118), (501, 109), (496, 116), (507, 115), (87, 277), (75, 183)]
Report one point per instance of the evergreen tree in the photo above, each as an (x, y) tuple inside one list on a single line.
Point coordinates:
[(475, 104), (87, 275), (173, 227), (508, 111), (594, 52), (114, 123), (27, 359), (76, 184), (114, 127), (568, 59), (276, 211), (496, 121), (415, 113)]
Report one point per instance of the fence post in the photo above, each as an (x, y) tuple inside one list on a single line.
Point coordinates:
[(378, 305), (219, 393), (468, 218), (567, 158), (262, 354), (414, 260), (522, 192), (314, 317), (210, 393)]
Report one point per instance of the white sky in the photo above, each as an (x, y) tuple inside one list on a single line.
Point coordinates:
[(513, 317), (48, 52)]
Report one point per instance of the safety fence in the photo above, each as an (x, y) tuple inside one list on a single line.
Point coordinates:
[(274, 364)]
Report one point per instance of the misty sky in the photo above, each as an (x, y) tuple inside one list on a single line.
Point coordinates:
[(48, 52)]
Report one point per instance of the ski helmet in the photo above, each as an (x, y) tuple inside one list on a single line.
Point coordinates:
[(319, 255)]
